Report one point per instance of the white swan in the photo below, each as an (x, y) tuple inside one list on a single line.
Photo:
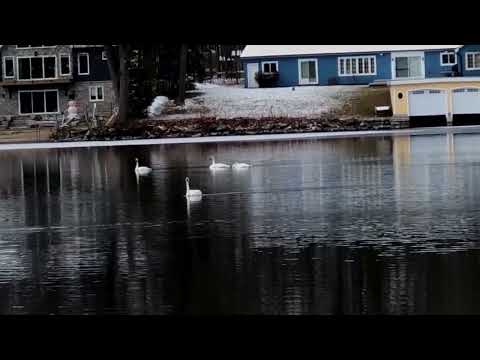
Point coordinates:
[(191, 193), (238, 166), (142, 170), (216, 166)]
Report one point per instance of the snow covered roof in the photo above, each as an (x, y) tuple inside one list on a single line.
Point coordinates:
[(292, 50)]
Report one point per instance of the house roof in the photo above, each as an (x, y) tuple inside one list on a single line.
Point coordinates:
[(252, 51)]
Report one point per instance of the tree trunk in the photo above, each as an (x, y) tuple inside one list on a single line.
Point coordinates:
[(113, 66), (182, 74), (149, 72), (124, 50)]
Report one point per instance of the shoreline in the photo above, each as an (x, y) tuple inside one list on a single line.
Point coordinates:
[(470, 129)]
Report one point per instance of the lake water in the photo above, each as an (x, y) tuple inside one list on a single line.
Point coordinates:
[(378, 225)]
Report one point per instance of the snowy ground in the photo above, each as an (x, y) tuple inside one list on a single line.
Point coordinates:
[(236, 101)]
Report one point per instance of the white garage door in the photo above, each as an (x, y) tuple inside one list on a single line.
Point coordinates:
[(427, 103), (466, 101)]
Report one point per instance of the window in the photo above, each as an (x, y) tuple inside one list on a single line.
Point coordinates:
[(357, 65), (448, 58), (308, 71), (96, 93), (407, 65), (8, 68), (83, 64), (473, 61), (36, 68), (270, 66), (38, 102), (65, 64), (104, 55)]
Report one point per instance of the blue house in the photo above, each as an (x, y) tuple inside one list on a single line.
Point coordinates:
[(297, 65)]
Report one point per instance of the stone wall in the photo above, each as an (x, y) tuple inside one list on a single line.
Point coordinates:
[(82, 95), (79, 91)]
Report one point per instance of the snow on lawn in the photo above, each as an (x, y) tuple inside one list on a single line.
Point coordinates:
[(236, 101)]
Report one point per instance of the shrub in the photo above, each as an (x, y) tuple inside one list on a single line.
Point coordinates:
[(267, 79)]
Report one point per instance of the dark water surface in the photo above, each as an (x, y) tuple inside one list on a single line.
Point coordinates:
[(386, 225)]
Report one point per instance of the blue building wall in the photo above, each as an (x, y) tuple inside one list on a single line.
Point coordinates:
[(328, 68), (99, 70), (328, 71), (462, 60), (433, 67)]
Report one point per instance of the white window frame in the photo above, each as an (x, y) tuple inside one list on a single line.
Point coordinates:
[(270, 62), (300, 80), (88, 63), (356, 58), (43, 67), (448, 53), (69, 64), (5, 67), (95, 88), (104, 55), (44, 100), (420, 54), (466, 60)]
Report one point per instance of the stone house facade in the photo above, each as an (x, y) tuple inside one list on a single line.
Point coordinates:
[(38, 81)]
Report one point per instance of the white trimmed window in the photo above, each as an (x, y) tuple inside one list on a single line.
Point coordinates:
[(96, 93), (33, 102), (37, 67), (104, 55), (448, 58), (270, 66), (83, 64), (472, 61), (65, 65), (357, 66), (8, 67), (307, 71)]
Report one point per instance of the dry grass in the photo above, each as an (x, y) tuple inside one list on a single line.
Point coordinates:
[(363, 101), (25, 135)]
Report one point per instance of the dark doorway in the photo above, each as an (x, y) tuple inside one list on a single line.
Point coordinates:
[(466, 119), (428, 121)]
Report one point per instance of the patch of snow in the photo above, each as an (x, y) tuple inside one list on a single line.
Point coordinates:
[(158, 105), (232, 102)]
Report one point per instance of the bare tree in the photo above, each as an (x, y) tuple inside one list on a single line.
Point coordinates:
[(182, 74), (118, 66)]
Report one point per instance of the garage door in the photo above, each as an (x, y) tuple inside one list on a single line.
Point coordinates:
[(427, 103), (466, 101)]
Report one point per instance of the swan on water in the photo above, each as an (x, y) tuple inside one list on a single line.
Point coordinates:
[(240, 166), (215, 165), (191, 193), (142, 170)]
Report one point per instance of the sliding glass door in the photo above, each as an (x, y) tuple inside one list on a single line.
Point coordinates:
[(308, 71), (408, 65)]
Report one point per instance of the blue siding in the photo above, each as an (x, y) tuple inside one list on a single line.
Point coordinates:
[(287, 68), (99, 70), (433, 67), (328, 72), (328, 69), (462, 63)]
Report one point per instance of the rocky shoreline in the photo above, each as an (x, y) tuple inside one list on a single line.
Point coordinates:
[(152, 129)]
